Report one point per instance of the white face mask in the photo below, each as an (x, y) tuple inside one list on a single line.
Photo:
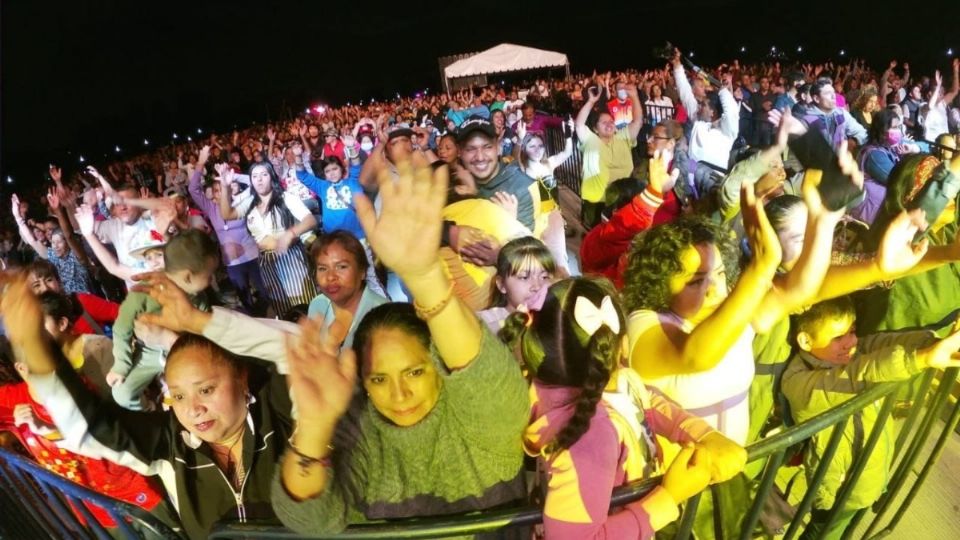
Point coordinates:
[(622, 94), (366, 146)]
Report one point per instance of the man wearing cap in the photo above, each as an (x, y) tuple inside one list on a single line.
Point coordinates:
[(477, 139)]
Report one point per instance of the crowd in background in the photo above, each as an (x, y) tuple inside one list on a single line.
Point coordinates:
[(377, 310)]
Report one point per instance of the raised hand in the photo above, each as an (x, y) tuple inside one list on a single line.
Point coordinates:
[(15, 207), (762, 238), (271, 134), (786, 125), (348, 140), (53, 199), (662, 180), (410, 223), (23, 415), (85, 219), (204, 156), (321, 384), (55, 173), (898, 252), (593, 94)]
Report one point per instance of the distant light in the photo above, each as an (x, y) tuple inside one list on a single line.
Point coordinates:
[(146, 142), (773, 48), (189, 139), (81, 159), (799, 48), (116, 148), (348, 104), (950, 52), (199, 131), (743, 49), (691, 54), (9, 179), (843, 52), (307, 110), (174, 136)]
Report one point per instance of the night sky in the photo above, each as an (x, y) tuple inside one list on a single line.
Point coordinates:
[(83, 76)]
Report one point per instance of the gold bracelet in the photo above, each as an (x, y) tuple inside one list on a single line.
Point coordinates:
[(426, 314)]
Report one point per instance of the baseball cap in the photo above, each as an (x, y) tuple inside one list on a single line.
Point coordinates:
[(473, 124), (401, 129)]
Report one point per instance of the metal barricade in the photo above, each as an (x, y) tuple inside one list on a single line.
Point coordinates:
[(928, 409), (39, 504)]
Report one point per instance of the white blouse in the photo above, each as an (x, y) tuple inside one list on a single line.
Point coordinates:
[(261, 226)]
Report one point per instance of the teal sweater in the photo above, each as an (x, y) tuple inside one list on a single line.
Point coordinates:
[(465, 455)]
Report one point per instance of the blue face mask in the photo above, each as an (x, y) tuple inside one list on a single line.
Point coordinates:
[(622, 94)]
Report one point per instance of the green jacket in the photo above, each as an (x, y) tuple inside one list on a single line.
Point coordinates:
[(813, 387)]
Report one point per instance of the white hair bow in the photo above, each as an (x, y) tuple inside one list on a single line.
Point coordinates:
[(591, 318)]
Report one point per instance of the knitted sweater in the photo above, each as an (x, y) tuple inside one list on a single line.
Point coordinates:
[(465, 455)]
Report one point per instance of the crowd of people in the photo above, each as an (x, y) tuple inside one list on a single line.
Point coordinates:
[(376, 312)]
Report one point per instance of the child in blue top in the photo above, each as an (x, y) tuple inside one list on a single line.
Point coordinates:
[(336, 190)]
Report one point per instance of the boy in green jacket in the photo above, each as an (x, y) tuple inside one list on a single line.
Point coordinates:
[(832, 366), (191, 258)]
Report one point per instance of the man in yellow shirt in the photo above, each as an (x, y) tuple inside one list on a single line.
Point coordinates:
[(607, 153)]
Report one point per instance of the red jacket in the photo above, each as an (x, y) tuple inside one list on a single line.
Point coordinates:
[(99, 475), (604, 246), (102, 311)]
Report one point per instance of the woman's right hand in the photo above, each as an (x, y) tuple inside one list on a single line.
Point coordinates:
[(763, 239), (688, 475), (15, 207)]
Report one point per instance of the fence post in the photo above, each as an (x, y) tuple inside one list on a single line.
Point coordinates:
[(817, 479), (769, 475), (902, 472)]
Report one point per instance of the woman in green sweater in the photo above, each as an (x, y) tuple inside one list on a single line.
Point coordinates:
[(438, 427)]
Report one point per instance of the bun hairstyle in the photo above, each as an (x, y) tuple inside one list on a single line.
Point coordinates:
[(558, 351)]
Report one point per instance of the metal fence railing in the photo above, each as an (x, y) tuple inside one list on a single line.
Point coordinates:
[(36, 503)]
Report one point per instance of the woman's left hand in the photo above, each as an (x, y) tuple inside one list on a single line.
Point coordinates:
[(727, 458), (285, 240), (406, 236)]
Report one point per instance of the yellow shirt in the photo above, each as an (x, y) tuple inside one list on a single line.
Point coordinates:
[(604, 162)]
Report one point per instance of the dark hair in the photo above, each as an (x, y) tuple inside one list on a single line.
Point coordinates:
[(619, 193), (818, 85), (276, 196), (189, 250), (779, 209), (205, 347), (558, 351), (654, 258), (347, 241), (297, 312), (43, 269), (60, 306), (900, 183), (333, 160), (830, 309), (514, 257), (393, 315), (882, 121)]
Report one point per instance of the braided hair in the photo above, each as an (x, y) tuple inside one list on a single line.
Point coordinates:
[(559, 352)]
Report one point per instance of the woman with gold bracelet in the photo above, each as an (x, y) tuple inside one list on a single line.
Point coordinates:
[(437, 426)]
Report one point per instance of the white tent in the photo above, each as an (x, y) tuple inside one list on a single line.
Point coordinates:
[(502, 58)]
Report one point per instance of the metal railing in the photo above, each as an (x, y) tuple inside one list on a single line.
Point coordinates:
[(29, 493), (926, 408), (39, 504)]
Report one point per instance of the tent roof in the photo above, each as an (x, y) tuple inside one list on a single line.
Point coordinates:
[(505, 57)]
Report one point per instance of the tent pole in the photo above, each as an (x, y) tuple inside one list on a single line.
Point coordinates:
[(567, 67)]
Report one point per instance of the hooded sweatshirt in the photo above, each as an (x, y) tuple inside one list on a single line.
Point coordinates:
[(611, 453)]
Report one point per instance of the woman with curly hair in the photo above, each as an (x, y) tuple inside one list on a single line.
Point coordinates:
[(692, 339), (593, 422)]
